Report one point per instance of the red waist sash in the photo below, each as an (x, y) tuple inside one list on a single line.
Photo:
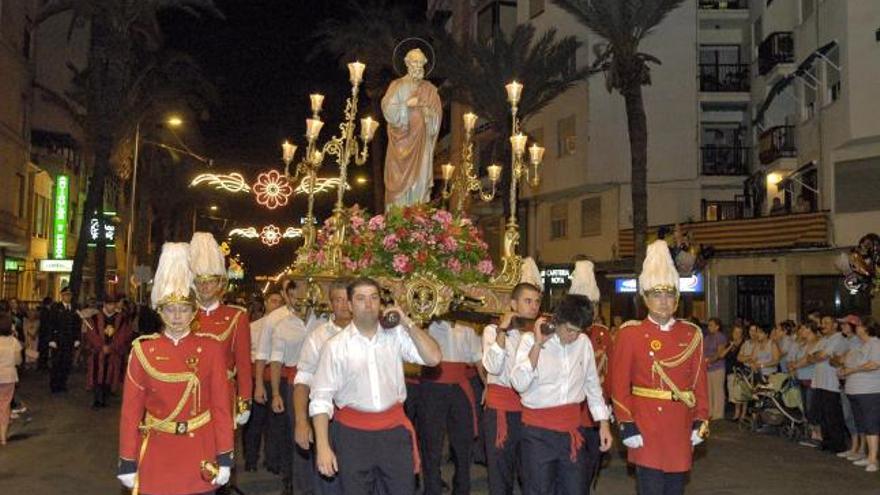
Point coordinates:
[(503, 400), (564, 419), (288, 373), (379, 421), (455, 374)]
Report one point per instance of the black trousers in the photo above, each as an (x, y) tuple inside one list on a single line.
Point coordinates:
[(594, 456), (256, 428), (547, 465), (502, 464), (101, 392), (446, 410), (656, 482), (279, 434), (62, 360), (373, 462), (479, 448), (829, 412)]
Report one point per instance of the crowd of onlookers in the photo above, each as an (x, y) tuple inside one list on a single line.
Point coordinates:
[(834, 362)]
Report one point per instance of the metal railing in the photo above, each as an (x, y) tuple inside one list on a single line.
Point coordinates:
[(724, 78), (725, 160), (777, 48), (775, 143), (715, 211)]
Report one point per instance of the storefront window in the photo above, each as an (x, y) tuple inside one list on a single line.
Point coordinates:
[(827, 295)]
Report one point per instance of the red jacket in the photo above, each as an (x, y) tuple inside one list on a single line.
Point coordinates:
[(229, 325), (159, 373), (665, 425), (600, 338)]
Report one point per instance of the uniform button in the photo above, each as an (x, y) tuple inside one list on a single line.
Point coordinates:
[(192, 435), (659, 408)]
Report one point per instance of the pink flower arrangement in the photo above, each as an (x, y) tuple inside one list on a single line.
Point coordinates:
[(401, 264)]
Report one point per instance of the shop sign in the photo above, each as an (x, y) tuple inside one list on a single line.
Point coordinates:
[(59, 224), (686, 285), (63, 266)]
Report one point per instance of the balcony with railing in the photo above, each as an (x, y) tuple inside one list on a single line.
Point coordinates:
[(724, 4), (786, 231), (725, 160), (777, 48), (731, 78), (775, 143)]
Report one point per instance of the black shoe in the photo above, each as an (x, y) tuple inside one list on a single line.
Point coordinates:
[(96, 405), (287, 487)]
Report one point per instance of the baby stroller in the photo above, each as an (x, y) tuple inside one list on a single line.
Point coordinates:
[(777, 404)]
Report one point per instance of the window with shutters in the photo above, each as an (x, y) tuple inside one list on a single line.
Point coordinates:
[(558, 220), (856, 183), (566, 137), (591, 217)]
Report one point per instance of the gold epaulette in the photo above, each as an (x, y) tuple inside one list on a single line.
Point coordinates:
[(629, 323), (695, 326), (599, 325), (150, 336), (236, 306)]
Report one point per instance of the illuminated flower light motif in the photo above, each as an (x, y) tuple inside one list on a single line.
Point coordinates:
[(270, 235), (247, 233), (272, 189)]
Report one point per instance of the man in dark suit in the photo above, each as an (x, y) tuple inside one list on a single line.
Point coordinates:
[(66, 331)]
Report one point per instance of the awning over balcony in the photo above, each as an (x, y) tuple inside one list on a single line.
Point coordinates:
[(782, 231), (783, 83)]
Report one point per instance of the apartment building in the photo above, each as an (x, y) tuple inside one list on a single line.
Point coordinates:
[(760, 144)]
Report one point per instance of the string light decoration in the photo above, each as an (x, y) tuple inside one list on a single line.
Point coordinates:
[(233, 182), (270, 235), (321, 185), (292, 233), (272, 189), (247, 233)]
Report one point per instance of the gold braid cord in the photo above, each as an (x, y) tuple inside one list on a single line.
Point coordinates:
[(226, 333), (657, 368)]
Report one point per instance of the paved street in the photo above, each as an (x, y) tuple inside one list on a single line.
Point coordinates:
[(67, 448)]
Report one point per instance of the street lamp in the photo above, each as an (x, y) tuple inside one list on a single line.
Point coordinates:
[(173, 121)]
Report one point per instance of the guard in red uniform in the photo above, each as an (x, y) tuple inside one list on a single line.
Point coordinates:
[(658, 382), (223, 323), (107, 336), (175, 429)]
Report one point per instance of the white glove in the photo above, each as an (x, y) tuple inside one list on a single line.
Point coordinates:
[(634, 441), (222, 476), (243, 417), (53, 345), (696, 439), (76, 345), (127, 479)]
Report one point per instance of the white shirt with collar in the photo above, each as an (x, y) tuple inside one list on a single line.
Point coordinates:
[(363, 373), (458, 343), (288, 336), (211, 307), (264, 344), (499, 362), (665, 327), (310, 353), (565, 374)]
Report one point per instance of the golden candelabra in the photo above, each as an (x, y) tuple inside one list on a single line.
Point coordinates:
[(344, 147), (467, 181)]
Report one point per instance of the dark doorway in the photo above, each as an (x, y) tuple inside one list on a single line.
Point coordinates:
[(755, 299)]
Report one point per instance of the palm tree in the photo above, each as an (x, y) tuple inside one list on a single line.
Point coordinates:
[(119, 28), (624, 24), (477, 72)]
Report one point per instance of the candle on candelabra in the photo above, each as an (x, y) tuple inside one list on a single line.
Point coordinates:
[(317, 102), (317, 157), (368, 128), (514, 91), (288, 150), (447, 169), (536, 153), (313, 128), (518, 143), (470, 121), (494, 171), (356, 72)]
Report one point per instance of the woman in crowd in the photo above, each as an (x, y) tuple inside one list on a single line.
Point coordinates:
[(714, 347), (862, 374), (784, 340), (848, 326), (764, 356), (809, 340), (31, 338), (731, 364), (10, 357)]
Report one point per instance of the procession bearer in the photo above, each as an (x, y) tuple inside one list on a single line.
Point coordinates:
[(658, 382), (359, 384), (175, 428), (225, 324)]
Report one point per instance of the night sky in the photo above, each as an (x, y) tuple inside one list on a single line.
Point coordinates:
[(258, 58)]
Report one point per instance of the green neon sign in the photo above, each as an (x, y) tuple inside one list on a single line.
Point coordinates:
[(59, 232)]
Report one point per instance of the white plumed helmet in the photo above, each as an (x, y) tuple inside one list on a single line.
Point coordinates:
[(583, 281), (173, 280), (531, 274), (206, 259), (658, 270)]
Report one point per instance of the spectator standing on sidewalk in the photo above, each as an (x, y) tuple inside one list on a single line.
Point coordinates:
[(862, 374), (731, 364), (714, 347), (826, 405), (10, 357)]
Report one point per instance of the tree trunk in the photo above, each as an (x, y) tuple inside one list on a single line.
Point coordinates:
[(638, 146)]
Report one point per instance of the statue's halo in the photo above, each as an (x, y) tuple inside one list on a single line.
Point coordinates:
[(412, 42)]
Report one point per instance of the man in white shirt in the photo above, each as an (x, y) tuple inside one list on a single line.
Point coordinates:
[(256, 427), (502, 420), (306, 368), (554, 373), (360, 383), (826, 387), (288, 336), (448, 405)]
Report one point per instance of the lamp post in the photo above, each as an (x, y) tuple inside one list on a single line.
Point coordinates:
[(172, 121), (345, 147)]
